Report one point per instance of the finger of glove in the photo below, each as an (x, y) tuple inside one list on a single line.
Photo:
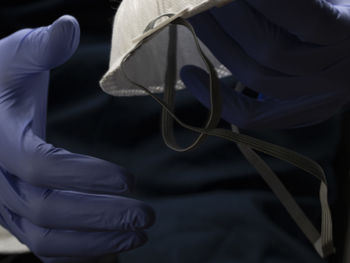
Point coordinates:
[(41, 164), (315, 21), (248, 113), (27, 53), (272, 46), (45, 48), (86, 212), (237, 109), (230, 54), (263, 80), (58, 243)]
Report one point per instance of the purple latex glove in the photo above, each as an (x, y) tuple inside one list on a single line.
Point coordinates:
[(65, 207), (294, 53)]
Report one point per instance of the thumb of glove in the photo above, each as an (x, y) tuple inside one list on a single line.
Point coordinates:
[(51, 46), (31, 51)]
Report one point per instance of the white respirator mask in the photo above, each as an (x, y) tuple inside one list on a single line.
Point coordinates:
[(151, 41)]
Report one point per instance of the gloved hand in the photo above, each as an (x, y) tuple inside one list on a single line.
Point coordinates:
[(65, 207), (294, 53)]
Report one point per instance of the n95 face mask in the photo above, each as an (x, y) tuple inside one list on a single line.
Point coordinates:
[(149, 60), (151, 42)]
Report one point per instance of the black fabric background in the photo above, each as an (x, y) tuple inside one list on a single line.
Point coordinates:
[(211, 205)]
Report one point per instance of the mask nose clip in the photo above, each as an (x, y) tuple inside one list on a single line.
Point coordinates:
[(152, 24)]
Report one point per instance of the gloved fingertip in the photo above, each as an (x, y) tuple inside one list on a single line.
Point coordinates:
[(128, 180), (146, 217), (140, 216), (63, 40), (138, 239), (142, 237), (66, 19), (130, 240), (68, 26), (194, 74), (197, 81), (261, 97)]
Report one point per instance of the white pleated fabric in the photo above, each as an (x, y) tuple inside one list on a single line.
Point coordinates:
[(9, 244), (147, 60)]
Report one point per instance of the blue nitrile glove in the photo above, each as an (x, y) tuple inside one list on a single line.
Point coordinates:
[(65, 207), (294, 53)]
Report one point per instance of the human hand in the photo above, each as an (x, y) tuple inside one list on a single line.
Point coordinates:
[(295, 54), (65, 207)]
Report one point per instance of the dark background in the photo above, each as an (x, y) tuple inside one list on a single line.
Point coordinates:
[(211, 205)]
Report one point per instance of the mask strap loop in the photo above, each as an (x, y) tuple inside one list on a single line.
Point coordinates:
[(285, 197), (323, 242), (169, 92)]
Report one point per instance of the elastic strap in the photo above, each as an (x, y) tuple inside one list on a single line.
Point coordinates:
[(323, 242), (282, 194)]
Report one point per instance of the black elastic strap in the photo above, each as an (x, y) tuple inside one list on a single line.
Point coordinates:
[(323, 242)]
